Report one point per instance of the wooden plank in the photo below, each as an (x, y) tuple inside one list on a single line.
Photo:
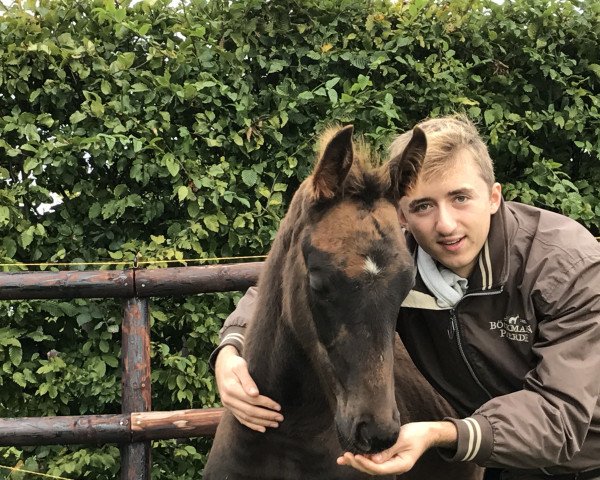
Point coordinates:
[(175, 424), (170, 282), (90, 284), (65, 430), (129, 283), (137, 427), (135, 457)]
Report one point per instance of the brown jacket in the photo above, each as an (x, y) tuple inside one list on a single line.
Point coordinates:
[(519, 355)]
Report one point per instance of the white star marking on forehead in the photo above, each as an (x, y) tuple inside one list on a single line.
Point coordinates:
[(371, 267)]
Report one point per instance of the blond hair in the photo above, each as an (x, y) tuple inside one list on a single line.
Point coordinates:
[(446, 138)]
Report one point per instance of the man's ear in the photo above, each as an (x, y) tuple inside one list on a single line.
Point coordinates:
[(400, 210), (495, 197)]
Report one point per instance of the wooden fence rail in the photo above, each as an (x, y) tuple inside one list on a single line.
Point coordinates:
[(99, 429), (137, 425), (161, 282)]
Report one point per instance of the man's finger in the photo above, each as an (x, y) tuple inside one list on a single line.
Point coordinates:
[(266, 402), (382, 457), (365, 465), (254, 414), (246, 381)]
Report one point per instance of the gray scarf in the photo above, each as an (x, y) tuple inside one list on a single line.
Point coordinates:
[(447, 287)]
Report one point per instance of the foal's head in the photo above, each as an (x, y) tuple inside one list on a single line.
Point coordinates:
[(350, 273)]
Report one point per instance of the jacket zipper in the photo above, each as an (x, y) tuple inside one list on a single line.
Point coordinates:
[(453, 330)]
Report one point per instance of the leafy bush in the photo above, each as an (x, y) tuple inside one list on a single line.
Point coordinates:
[(181, 132)]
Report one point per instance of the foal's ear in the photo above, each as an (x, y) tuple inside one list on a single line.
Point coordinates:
[(405, 167), (334, 164)]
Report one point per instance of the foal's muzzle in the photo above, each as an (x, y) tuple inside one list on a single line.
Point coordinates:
[(368, 435)]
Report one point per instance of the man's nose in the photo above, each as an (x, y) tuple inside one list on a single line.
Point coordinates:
[(445, 224)]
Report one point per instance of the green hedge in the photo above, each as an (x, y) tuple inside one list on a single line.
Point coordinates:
[(181, 132)]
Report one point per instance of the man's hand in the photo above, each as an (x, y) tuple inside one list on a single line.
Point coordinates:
[(240, 394), (413, 441)]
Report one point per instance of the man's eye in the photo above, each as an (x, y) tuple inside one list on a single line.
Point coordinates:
[(461, 198), (423, 207)]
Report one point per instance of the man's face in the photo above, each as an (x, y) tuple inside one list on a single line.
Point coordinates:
[(450, 215)]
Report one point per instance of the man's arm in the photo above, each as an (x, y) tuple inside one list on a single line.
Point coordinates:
[(547, 422), (237, 389), (234, 328)]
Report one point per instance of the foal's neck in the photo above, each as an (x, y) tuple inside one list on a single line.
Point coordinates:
[(281, 367)]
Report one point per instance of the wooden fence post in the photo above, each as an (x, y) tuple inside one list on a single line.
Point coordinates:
[(135, 457)]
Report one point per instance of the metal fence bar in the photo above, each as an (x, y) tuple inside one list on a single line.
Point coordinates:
[(135, 457)]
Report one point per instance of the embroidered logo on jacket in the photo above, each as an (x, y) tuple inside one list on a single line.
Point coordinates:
[(513, 328)]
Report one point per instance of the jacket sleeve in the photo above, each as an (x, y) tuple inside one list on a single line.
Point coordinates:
[(546, 422), (232, 332)]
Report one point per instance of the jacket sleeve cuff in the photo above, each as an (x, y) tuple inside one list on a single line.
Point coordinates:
[(230, 336), (243, 311), (475, 440)]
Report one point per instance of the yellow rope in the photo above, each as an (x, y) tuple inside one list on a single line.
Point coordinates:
[(131, 262), (128, 262), (16, 469)]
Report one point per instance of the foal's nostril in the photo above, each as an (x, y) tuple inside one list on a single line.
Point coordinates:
[(382, 443), (363, 437), (371, 439)]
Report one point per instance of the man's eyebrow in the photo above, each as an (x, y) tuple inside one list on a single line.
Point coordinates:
[(460, 191), (418, 201)]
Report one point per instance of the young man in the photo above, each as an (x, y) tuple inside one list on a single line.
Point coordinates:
[(504, 321)]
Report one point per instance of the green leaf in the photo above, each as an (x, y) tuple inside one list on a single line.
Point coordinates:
[(182, 193), (83, 318), (211, 222), (29, 164), (306, 95), (249, 177), (171, 164), (111, 361), (104, 346), (97, 108), (27, 237), (277, 66), (158, 239), (237, 139), (100, 368), (105, 87), (16, 355), (77, 117), (19, 379), (333, 96), (10, 246), (594, 67), (332, 83)]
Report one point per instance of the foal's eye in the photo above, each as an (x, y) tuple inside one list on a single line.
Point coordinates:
[(316, 282)]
